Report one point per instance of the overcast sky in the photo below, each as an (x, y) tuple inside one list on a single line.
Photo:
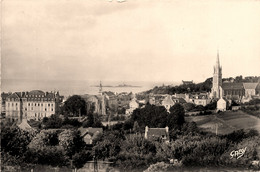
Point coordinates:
[(136, 40)]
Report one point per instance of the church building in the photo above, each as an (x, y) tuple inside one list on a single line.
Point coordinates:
[(216, 90)]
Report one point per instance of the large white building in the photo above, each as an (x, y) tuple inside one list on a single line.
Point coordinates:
[(35, 104)]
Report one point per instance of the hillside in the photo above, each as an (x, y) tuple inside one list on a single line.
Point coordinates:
[(199, 87), (227, 122)]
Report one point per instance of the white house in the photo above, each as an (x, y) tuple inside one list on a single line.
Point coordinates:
[(221, 105)]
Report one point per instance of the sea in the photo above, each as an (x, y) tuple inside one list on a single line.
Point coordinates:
[(79, 87)]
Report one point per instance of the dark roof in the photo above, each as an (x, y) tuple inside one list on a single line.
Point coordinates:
[(34, 95), (258, 86), (157, 132), (109, 93), (233, 85), (5, 95), (250, 85), (15, 95), (181, 100), (89, 130), (233, 97), (36, 92)]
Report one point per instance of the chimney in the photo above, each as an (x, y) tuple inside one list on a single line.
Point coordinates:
[(146, 131), (167, 129)]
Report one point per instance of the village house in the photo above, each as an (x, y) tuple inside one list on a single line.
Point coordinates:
[(160, 134), (89, 134), (168, 102), (250, 89)]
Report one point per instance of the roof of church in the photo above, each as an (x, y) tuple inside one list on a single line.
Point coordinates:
[(232, 85), (250, 85)]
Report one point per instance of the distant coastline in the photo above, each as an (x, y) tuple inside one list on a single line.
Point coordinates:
[(120, 85)]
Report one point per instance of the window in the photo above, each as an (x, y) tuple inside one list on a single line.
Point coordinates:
[(28, 104), (49, 104), (51, 109), (38, 104), (42, 104), (35, 104), (45, 109), (15, 104), (25, 108), (32, 108)]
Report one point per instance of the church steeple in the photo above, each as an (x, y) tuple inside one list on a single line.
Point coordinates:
[(217, 79)]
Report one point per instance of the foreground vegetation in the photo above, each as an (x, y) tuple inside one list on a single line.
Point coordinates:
[(124, 143)]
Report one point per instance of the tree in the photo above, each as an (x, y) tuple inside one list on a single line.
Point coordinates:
[(71, 142), (80, 159), (53, 122), (136, 152), (14, 144), (150, 115), (200, 108), (136, 127), (44, 138), (108, 146), (93, 121), (74, 106), (189, 107), (176, 116), (72, 122), (211, 106)]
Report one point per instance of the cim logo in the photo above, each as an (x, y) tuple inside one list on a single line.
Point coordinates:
[(238, 153)]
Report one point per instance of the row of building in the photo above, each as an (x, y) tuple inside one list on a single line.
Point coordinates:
[(35, 104)]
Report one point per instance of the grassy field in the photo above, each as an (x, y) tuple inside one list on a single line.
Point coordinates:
[(226, 122)]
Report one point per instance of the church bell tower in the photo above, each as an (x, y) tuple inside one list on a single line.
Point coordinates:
[(216, 89)]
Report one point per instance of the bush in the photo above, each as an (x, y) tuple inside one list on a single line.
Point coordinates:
[(136, 152), (239, 135), (158, 167), (252, 152), (198, 151)]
